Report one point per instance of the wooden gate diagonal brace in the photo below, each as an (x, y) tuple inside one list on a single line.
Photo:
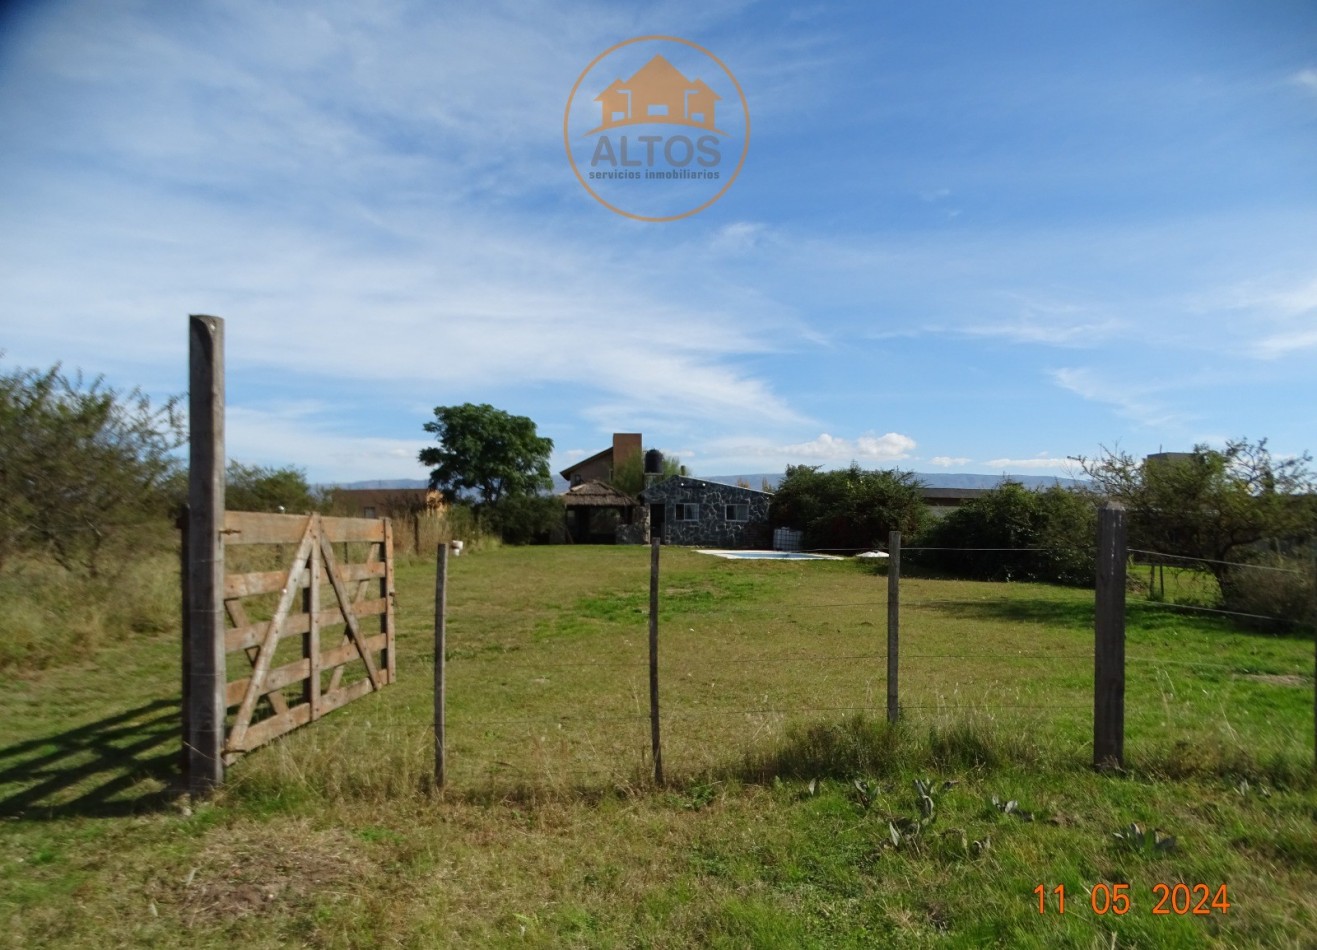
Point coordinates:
[(239, 617), (261, 668), (345, 602)]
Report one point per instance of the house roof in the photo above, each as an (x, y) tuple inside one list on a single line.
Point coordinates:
[(598, 456), (596, 494), (661, 491)]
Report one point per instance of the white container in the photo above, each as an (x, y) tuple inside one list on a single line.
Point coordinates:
[(785, 539), (457, 548)]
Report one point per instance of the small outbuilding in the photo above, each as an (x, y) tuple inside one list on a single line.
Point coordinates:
[(684, 510), (597, 513)]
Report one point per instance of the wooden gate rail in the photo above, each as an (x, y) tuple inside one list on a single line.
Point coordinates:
[(312, 563)]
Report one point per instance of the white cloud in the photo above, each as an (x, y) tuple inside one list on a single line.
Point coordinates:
[(1307, 78), (1043, 461), (947, 461), (889, 447)]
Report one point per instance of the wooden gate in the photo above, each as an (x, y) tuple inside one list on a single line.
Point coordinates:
[(305, 630)]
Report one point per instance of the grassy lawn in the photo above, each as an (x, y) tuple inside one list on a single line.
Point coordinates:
[(790, 815)]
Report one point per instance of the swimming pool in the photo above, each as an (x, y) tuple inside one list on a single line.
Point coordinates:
[(771, 556)]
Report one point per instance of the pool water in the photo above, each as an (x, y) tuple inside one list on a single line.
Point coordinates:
[(772, 556)]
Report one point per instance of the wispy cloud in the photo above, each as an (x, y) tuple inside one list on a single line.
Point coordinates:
[(947, 461), (272, 436), (1307, 78), (1140, 404)]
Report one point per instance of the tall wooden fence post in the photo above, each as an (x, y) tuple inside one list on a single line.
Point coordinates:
[(204, 583), (440, 660), (1109, 638), (893, 624), (656, 749)]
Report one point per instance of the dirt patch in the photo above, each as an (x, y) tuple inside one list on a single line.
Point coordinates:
[(248, 878), (1276, 679)]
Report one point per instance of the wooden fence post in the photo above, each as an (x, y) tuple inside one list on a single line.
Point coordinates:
[(204, 583), (656, 749), (440, 660), (1109, 638), (893, 624)]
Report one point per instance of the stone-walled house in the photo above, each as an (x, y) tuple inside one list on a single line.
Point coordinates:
[(684, 510)]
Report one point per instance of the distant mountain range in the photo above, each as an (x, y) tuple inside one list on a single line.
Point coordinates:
[(930, 479)]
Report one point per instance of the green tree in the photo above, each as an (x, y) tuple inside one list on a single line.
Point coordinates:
[(1013, 533), (1217, 505), (849, 508), (82, 466), (486, 451), (261, 488), (1210, 504), (629, 474)]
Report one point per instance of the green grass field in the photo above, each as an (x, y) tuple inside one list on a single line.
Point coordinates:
[(790, 815)]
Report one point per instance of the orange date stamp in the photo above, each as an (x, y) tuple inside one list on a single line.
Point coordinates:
[(1179, 899)]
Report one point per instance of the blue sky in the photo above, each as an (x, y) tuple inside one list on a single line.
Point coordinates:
[(966, 237)]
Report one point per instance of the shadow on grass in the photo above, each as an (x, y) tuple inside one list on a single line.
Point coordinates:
[(93, 770), (1143, 615), (1077, 614)]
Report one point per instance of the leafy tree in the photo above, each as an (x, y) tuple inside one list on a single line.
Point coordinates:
[(1058, 526), (849, 508), (486, 451), (1209, 504), (629, 474), (259, 488), (1218, 505), (81, 465)]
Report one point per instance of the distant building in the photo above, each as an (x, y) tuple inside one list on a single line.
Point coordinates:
[(684, 510), (382, 502), (942, 501), (601, 465), (1167, 458)]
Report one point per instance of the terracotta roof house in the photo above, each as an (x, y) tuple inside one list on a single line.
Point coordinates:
[(684, 510), (600, 466)]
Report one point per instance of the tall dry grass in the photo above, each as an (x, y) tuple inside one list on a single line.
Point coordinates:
[(55, 617)]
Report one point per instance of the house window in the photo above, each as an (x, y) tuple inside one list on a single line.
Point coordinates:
[(738, 513), (687, 511), (658, 109)]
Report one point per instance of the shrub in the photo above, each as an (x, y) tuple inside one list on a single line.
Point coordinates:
[(527, 519), (847, 509), (1059, 524), (1277, 588)]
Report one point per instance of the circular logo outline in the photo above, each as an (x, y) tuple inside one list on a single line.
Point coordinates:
[(567, 141)]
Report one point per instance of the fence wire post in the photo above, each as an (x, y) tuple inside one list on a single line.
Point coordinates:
[(1109, 638), (204, 584), (440, 662), (656, 749), (893, 623)]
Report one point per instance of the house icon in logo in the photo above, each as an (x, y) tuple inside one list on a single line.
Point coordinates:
[(658, 93)]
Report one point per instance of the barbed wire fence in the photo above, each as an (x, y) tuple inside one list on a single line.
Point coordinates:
[(678, 689)]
